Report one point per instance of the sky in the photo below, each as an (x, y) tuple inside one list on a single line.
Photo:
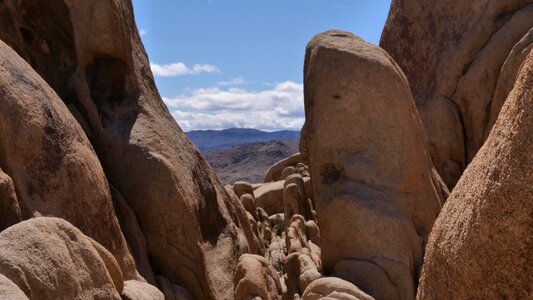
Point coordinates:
[(239, 63)]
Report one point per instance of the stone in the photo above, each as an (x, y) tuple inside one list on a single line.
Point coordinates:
[(480, 245), (373, 190), (248, 202), (461, 59), (192, 226), (287, 172), (303, 204), (48, 257), (54, 169), (270, 197), (9, 290), (137, 290), (241, 187), (172, 291), (274, 173), (255, 277), (10, 213), (333, 288)]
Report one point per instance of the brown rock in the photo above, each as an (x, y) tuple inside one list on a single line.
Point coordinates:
[(270, 197), (99, 67), (172, 291), (372, 182), (48, 258), (255, 277), (9, 290), (461, 59), (9, 206), (480, 246), (274, 173), (137, 290), (50, 160), (334, 288)]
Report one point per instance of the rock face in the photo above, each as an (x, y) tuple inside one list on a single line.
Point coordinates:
[(372, 183), (480, 246), (100, 70), (48, 258), (461, 59), (334, 288), (255, 277), (50, 162), (9, 290)]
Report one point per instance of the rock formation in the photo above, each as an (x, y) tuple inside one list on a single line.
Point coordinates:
[(372, 181), (461, 59), (480, 247), (99, 68)]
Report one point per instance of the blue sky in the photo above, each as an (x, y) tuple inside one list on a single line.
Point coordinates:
[(239, 63)]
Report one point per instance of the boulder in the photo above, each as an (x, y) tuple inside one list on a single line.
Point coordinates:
[(334, 289), (10, 213), (9, 290), (48, 258), (172, 291), (274, 173), (98, 66), (461, 59), (255, 277), (480, 246), (53, 167), (372, 180), (137, 290), (270, 197)]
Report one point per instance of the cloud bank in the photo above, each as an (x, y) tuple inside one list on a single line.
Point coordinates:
[(280, 107), (179, 68)]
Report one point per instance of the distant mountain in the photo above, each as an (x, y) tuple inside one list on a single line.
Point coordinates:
[(249, 162), (208, 140)]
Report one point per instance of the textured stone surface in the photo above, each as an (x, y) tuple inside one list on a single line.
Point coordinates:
[(372, 184), (334, 288), (9, 290), (461, 59), (98, 67), (54, 169), (137, 290), (481, 246), (48, 258), (255, 277), (10, 213)]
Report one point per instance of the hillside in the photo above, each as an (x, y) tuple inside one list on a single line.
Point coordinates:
[(249, 162), (209, 140)]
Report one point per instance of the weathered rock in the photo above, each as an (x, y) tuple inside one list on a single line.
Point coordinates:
[(270, 197), (372, 183), (172, 291), (9, 290), (334, 288), (99, 67), (137, 290), (248, 202), (295, 198), (50, 160), (241, 187), (274, 173), (10, 213), (48, 258), (255, 277), (480, 246), (461, 59)]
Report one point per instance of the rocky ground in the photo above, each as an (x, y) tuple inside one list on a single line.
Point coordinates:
[(248, 162), (102, 195)]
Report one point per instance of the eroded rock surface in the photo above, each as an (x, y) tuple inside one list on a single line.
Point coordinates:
[(461, 59), (375, 198), (480, 247)]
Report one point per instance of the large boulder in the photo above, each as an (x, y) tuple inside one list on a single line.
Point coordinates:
[(10, 212), (255, 278), (49, 159), (48, 258), (372, 175), (481, 246), (335, 289), (461, 59), (99, 68), (9, 290)]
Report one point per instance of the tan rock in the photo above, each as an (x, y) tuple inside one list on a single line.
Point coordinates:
[(50, 160), (274, 173), (372, 182), (48, 258), (270, 197), (480, 246), (10, 213), (255, 277), (172, 291), (193, 228), (333, 288), (461, 59), (9, 290), (241, 187), (137, 290)]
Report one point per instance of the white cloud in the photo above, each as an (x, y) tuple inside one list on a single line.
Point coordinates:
[(179, 68), (214, 108), (234, 81), (143, 32)]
